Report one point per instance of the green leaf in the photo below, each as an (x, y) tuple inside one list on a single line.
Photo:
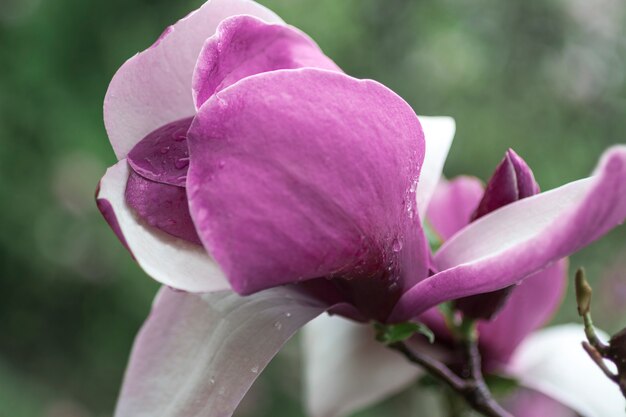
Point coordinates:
[(393, 333)]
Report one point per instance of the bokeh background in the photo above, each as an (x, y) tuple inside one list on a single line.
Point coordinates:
[(545, 77)]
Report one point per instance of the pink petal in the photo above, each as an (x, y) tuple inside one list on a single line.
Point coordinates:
[(346, 369), (167, 259), (553, 362), (438, 135), (163, 155), (153, 88), (162, 206), (521, 238), (245, 46), (199, 355), (529, 307), (453, 203), (300, 174), (530, 403)]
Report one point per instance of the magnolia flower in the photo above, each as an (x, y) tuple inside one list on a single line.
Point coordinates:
[(249, 164)]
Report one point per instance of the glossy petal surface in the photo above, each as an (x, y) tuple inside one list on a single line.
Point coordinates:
[(199, 355), (346, 369), (167, 259), (299, 174), (162, 206), (245, 46), (509, 244), (553, 362), (153, 88), (163, 156)]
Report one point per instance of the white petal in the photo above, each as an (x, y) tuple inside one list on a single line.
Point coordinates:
[(347, 369), (153, 88), (553, 361), (198, 355), (167, 259), (438, 133)]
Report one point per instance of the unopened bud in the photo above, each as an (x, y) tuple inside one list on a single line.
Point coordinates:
[(583, 292), (512, 180)]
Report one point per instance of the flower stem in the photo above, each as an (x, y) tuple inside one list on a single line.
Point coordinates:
[(598, 351), (472, 388)]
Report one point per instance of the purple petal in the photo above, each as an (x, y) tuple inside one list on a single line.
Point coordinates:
[(167, 259), (162, 206), (163, 156), (300, 174), (199, 355), (552, 361), (106, 209), (521, 238), (512, 181), (346, 369), (453, 204), (153, 88), (438, 135), (244, 46), (529, 403), (528, 308)]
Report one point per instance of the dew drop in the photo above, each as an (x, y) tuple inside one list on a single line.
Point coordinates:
[(181, 163), (165, 150), (287, 314), (278, 325), (212, 381), (396, 245), (221, 164), (254, 369)]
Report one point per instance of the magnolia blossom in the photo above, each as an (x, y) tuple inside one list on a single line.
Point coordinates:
[(263, 187)]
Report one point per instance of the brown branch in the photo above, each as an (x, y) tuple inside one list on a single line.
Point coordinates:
[(473, 389)]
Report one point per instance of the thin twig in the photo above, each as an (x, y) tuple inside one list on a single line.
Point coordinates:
[(598, 359), (473, 389)]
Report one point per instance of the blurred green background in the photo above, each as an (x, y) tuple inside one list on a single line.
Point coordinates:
[(543, 77)]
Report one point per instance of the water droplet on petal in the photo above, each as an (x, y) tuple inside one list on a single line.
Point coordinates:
[(164, 150), (181, 163), (254, 369), (221, 164), (278, 325), (287, 314), (212, 381), (396, 245)]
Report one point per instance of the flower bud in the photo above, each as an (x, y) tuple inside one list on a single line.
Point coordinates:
[(511, 181)]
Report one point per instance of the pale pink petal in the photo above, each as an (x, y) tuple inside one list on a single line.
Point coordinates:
[(153, 88), (197, 355), (553, 362), (438, 135), (453, 203), (524, 237), (167, 259), (346, 369), (529, 307), (529, 403)]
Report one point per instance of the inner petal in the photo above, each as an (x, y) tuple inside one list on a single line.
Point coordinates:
[(162, 206), (163, 155)]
